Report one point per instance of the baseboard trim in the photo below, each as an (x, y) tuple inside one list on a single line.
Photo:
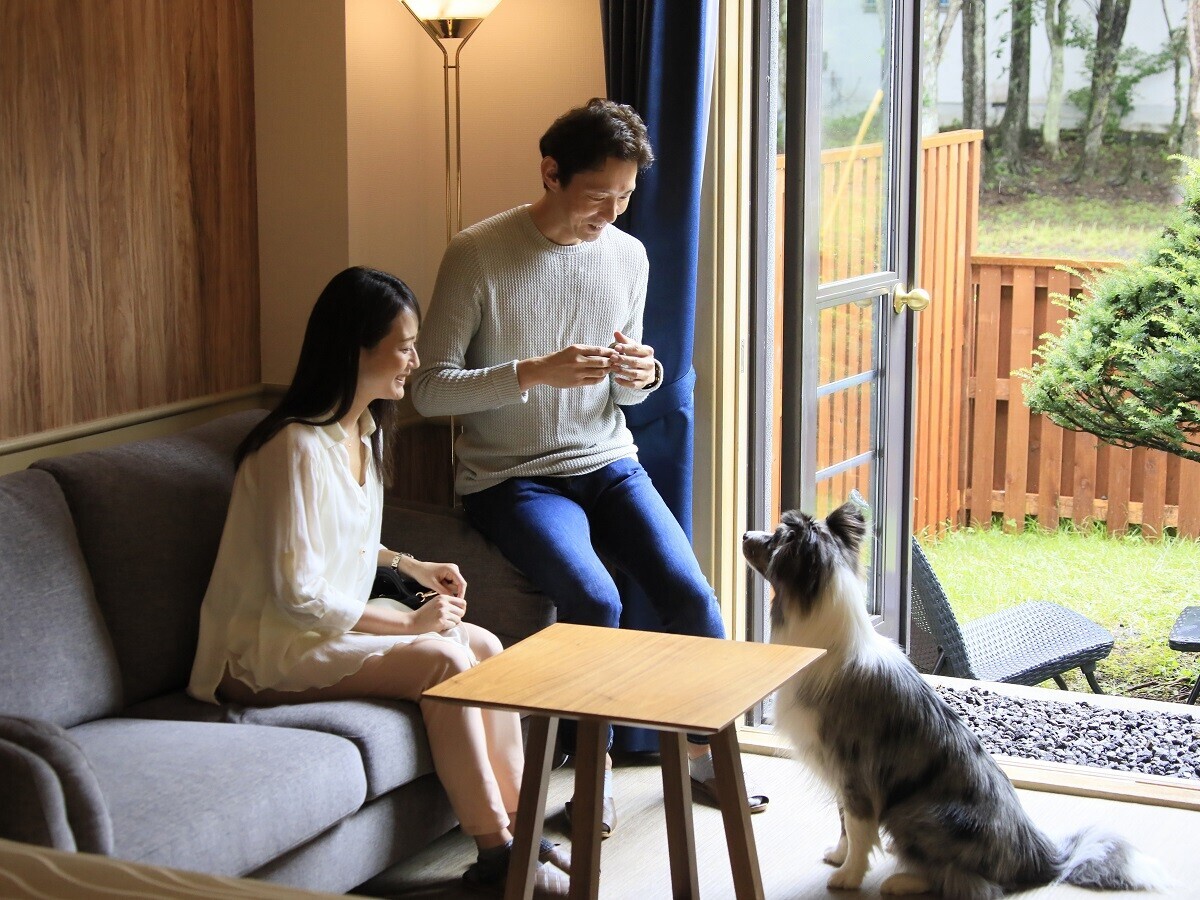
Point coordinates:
[(1084, 781), (1055, 778), (17, 453), (126, 420)]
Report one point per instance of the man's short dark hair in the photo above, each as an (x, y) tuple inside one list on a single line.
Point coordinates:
[(584, 138)]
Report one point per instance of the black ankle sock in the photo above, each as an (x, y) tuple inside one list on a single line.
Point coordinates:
[(491, 865)]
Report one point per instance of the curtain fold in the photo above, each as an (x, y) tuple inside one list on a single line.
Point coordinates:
[(659, 58)]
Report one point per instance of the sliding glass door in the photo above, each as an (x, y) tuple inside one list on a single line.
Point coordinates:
[(835, 191)]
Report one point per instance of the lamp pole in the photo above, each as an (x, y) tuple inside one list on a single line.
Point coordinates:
[(445, 21), (442, 25)]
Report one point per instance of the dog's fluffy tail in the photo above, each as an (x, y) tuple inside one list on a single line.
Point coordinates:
[(1095, 859)]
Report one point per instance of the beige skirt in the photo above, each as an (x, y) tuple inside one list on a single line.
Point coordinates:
[(329, 661)]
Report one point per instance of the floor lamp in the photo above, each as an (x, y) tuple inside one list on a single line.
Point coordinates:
[(450, 23)]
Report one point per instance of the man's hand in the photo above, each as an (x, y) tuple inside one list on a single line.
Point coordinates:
[(574, 366), (634, 367)]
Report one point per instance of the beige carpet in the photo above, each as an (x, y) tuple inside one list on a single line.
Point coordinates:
[(791, 837)]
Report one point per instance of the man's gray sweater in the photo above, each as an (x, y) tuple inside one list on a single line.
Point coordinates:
[(505, 293)]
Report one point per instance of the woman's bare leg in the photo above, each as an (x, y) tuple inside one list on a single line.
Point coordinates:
[(502, 729)]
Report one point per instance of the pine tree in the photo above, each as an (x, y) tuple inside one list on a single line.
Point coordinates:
[(1126, 366)]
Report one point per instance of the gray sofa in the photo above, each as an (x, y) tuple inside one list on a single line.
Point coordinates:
[(104, 559)]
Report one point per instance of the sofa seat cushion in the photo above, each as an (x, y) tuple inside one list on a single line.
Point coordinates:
[(389, 734), (218, 798)]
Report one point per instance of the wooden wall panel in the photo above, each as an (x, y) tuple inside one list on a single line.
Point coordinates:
[(128, 233)]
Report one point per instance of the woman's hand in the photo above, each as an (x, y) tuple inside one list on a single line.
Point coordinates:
[(440, 614), (445, 578)]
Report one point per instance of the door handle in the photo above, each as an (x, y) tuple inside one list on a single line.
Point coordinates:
[(916, 299)]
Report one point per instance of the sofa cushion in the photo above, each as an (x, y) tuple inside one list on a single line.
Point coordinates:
[(149, 515), (56, 659), (499, 597), (224, 799), (389, 734)]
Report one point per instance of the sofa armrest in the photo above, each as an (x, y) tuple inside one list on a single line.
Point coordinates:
[(499, 597), (55, 784), (34, 811)]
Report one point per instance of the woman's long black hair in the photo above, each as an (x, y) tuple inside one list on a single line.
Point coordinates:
[(355, 312)]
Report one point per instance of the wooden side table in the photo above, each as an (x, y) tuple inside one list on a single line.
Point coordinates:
[(1185, 636), (675, 684)]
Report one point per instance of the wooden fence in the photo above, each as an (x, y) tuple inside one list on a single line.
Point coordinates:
[(1019, 464), (979, 451)]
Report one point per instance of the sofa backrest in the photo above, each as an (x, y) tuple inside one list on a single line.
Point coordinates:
[(149, 516), (56, 660)]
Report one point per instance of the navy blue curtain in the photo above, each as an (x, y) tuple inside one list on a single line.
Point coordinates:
[(658, 58)]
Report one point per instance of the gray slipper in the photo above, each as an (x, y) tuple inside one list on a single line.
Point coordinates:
[(608, 817), (756, 799)]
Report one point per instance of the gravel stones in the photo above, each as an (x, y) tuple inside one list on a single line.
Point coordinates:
[(1080, 733)]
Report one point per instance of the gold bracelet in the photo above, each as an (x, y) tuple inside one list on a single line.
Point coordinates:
[(395, 563)]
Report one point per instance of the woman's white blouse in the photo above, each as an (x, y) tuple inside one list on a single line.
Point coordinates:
[(296, 561)]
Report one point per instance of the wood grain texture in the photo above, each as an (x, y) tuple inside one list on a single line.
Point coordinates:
[(666, 681), (128, 233)]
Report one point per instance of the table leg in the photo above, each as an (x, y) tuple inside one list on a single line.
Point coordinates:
[(735, 811), (677, 803), (531, 807), (591, 744)]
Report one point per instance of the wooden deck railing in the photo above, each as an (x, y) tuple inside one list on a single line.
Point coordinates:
[(1019, 464)]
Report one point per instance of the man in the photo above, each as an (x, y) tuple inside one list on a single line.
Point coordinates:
[(533, 340)]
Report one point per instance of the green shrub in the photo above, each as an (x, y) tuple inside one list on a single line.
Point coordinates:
[(1126, 366)]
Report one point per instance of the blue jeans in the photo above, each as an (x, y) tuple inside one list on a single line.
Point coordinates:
[(564, 533)]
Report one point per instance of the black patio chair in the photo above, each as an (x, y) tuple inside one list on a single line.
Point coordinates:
[(1026, 644)]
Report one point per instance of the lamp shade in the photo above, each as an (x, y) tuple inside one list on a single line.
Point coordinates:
[(429, 10)]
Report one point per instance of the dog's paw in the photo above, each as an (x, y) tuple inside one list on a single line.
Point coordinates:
[(905, 883), (835, 856), (845, 880)]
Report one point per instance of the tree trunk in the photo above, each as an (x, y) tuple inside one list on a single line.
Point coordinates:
[(934, 38), (1110, 30), (1056, 34), (1191, 129), (974, 53), (1016, 107), (1176, 37)]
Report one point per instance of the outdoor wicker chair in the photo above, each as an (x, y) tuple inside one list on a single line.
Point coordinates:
[(1027, 644)]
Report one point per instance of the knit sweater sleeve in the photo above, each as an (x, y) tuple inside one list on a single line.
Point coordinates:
[(444, 385), (627, 396)]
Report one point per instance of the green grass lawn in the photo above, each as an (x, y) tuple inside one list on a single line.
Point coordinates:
[(1133, 587), (1078, 228)]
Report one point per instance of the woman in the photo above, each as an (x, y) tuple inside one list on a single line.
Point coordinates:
[(286, 617)]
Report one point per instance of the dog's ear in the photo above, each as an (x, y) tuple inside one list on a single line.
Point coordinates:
[(847, 524)]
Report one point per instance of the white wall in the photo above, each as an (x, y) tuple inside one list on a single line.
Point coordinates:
[(350, 137), (300, 130), (1146, 29), (852, 58)]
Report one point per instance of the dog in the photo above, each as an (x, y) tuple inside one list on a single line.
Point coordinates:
[(896, 758)]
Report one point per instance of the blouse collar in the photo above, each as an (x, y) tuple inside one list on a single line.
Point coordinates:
[(335, 433)]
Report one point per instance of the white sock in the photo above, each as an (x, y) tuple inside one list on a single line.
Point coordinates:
[(701, 768), (608, 788)]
